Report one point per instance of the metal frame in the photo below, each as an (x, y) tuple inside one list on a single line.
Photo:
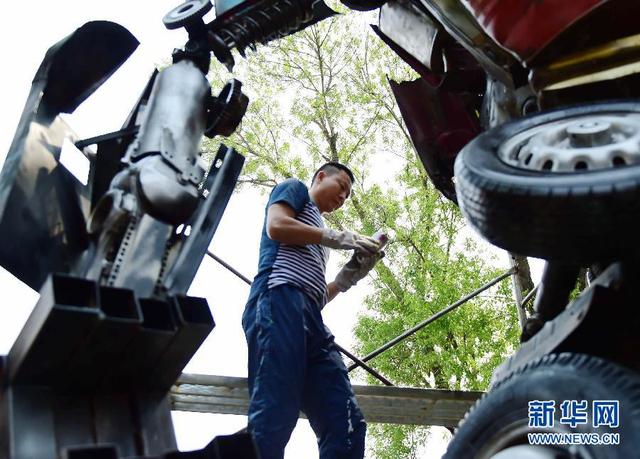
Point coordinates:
[(391, 405)]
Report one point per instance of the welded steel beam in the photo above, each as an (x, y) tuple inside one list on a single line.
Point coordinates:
[(392, 405)]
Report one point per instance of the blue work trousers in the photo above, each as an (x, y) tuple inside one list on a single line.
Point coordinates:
[(294, 365)]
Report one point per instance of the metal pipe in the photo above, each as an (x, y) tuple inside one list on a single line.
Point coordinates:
[(526, 299), (229, 267), (437, 315), (357, 361), (366, 367)]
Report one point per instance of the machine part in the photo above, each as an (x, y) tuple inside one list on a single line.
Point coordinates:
[(226, 111), (415, 32), (586, 143), (175, 117), (64, 316), (138, 259), (107, 342), (582, 215), (498, 104), (217, 189), (558, 280), (363, 5), (111, 211), (439, 126), (463, 27), (612, 60), (42, 206), (166, 194), (165, 153), (247, 23), (186, 14), (499, 421), (194, 323)]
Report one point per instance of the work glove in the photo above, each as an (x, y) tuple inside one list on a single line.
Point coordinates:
[(349, 240), (356, 269)]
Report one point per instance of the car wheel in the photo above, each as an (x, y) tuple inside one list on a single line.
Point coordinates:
[(562, 185), (498, 426)]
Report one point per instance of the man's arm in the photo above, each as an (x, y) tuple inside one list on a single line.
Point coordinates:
[(283, 227)]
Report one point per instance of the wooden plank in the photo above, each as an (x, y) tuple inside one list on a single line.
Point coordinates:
[(393, 405)]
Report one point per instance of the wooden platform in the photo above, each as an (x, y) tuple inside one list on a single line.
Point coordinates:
[(393, 405)]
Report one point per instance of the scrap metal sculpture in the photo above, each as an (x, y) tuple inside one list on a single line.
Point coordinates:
[(89, 374)]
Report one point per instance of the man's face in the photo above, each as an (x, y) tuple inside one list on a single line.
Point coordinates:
[(331, 191)]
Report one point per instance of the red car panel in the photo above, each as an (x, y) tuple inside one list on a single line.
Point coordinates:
[(525, 27)]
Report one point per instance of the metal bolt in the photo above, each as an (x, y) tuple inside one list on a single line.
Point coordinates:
[(586, 134)]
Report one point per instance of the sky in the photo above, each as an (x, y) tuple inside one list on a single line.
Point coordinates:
[(29, 30)]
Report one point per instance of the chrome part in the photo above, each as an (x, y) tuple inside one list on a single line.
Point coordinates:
[(585, 143), (414, 32), (186, 13), (531, 452), (460, 24), (512, 442), (498, 105)]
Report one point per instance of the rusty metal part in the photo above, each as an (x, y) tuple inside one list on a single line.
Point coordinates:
[(414, 32), (614, 59)]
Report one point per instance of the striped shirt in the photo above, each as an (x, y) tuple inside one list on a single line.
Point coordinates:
[(301, 266)]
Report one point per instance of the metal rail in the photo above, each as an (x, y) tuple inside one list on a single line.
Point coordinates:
[(526, 299), (391, 405), (437, 315)]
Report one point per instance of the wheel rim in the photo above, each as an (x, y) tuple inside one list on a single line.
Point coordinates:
[(513, 437), (579, 144)]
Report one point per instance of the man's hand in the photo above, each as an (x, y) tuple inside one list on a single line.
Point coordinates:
[(349, 240), (356, 269)]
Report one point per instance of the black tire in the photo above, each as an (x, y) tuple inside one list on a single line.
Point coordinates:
[(499, 420), (581, 216)]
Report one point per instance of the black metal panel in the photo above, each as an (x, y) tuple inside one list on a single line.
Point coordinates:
[(146, 347), (93, 452), (30, 423), (42, 206), (64, 315), (106, 345), (142, 262), (155, 426), (195, 322), (228, 446), (220, 182), (112, 147), (114, 423), (77, 65), (5, 424), (3, 368), (73, 416)]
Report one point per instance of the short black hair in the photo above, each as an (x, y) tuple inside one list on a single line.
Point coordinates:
[(333, 167)]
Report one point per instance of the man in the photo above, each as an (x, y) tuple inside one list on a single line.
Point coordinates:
[(293, 362)]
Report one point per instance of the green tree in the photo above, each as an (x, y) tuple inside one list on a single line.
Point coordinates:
[(322, 95)]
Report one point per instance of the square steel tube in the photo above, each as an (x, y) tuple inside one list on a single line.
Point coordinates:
[(64, 315)]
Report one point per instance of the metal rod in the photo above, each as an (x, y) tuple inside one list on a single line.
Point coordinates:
[(437, 315), (229, 267), (80, 144), (514, 261), (366, 367), (357, 361), (526, 299)]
